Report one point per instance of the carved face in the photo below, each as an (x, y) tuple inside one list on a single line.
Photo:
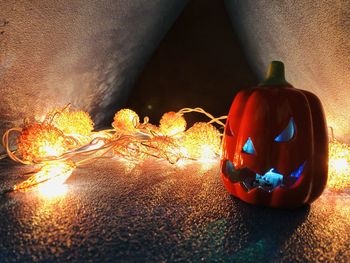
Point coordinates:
[(275, 147), (272, 178)]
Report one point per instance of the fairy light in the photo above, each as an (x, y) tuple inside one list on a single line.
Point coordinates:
[(56, 176), (50, 177), (40, 140), (129, 148), (126, 120), (201, 141), (71, 122), (172, 123), (163, 147), (65, 140)]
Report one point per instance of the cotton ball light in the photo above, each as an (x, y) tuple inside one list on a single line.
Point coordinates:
[(201, 141), (172, 123), (72, 122), (41, 140), (126, 120)]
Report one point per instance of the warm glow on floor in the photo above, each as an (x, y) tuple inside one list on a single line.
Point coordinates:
[(52, 189), (48, 179)]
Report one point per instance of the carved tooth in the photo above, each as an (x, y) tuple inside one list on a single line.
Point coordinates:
[(231, 172)]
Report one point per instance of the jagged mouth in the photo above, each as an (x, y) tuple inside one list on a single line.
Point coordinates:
[(269, 181)]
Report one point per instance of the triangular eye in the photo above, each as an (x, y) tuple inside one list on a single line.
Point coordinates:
[(249, 147), (288, 133)]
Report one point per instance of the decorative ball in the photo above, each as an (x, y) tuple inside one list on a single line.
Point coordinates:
[(201, 141), (41, 140), (172, 123), (126, 120), (72, 122)]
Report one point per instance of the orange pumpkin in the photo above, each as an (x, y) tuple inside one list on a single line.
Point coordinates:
[(275, 145)]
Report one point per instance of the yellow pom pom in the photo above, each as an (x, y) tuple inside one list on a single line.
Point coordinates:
[(72, 122), (172, 123), (201, 141), (41, 140), (126, 120)]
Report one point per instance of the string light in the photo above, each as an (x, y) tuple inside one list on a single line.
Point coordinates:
[(65, 140), (163, 147)]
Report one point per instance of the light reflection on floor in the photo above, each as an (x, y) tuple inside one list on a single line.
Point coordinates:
[(52, 190), (109, 211)]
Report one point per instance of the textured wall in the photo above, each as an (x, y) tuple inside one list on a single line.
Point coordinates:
[(88, 53), (312, 38)]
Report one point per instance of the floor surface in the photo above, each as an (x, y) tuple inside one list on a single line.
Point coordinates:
[(155, 212)]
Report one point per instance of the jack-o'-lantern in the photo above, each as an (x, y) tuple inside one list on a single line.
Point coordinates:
[(275, 145)]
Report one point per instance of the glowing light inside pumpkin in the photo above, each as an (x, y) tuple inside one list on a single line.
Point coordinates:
[(288, 133), (248, 147)]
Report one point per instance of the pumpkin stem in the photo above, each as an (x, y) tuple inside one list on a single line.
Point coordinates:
[(275, 75)]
